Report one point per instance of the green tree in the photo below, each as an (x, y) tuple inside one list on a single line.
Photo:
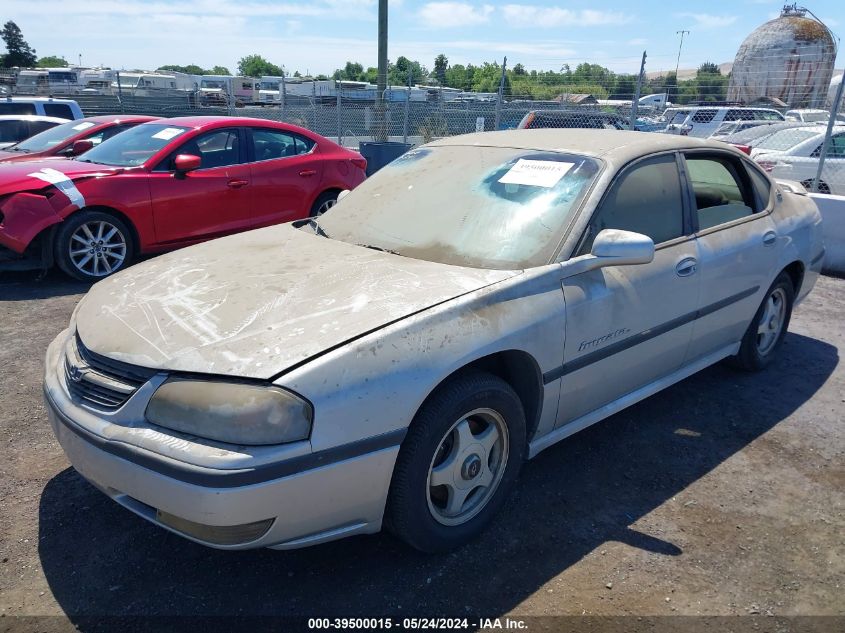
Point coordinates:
[(710, 84), (297, 74), (625, 87), (351, 72), (219, 70), (255, 66), (51, 61), (397, 74), (441, 64), (18, 52), (519, 70), (190, 69)]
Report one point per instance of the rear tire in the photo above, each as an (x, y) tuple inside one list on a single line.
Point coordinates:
[(470, 435), (765, 335), (323, 203), (823, 186), (91, 245)]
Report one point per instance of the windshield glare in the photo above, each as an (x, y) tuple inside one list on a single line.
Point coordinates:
[(482, 207), (134, 146), (54, 136)]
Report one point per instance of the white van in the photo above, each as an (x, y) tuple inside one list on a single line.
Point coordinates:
[(42, 106), (702, 121)]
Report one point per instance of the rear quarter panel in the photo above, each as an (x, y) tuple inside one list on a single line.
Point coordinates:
[(799, 226)]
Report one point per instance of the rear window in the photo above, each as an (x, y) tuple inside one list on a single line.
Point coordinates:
[(61, 110), (13, 107), (786, 139)]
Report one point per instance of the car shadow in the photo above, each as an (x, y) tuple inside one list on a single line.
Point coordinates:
[(35, 284), (99, 559)]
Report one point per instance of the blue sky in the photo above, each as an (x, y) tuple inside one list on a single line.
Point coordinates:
[(320, 35)]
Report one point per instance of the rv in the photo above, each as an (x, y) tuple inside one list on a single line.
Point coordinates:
[(144, 84), (48, 81), (216, 89)]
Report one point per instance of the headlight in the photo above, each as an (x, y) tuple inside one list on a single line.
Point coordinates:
[(233, 412)]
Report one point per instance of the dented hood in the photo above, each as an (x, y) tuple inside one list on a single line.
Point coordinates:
[(255, 304), (15, 176)]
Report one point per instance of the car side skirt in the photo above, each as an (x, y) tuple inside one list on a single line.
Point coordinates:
[(579, 424)]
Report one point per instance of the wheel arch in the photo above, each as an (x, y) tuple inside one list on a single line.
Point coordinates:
[(795, 270), (133, 231), (517, 368)]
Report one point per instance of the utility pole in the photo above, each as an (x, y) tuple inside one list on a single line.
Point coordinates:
[(501, 94), (678, 63), (382, 70), (635, 104)]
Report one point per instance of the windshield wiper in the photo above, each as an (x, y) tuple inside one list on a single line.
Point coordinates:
[(317, 228), (377, 248)]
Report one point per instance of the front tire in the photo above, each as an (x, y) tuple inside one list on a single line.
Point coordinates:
[(459, 461), (90, 245), (765, 335)]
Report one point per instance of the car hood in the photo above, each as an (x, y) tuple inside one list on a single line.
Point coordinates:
[(258, 303), (17, 176)]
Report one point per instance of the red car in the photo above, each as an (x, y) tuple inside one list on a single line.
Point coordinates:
[(62, 139), (166, 184)]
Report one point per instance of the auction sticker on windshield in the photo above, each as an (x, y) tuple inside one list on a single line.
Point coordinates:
[(536, 173), (168, 133), (83, 126)]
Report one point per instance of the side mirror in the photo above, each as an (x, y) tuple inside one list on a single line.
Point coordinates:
[(183, 163), (613, 247), (81, 146)]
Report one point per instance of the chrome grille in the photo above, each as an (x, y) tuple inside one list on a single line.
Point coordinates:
[(100, 382)]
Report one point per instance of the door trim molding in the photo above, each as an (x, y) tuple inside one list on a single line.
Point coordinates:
[(645, 335)]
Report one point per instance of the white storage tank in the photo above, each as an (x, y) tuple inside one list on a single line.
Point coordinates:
[(790, 58)]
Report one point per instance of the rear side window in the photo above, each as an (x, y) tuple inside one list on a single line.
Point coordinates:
[(272, 144), (61, 110), (13, 131), (646, 199), (12, 107), (722, 192), (703, 116), (39, 126)]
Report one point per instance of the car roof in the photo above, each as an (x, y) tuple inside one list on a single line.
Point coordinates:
[(38, 99), (210, 121), (620, 145), (120, 118), (34, 117)]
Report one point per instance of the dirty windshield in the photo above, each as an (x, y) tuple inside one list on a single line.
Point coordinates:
[(483, 207)]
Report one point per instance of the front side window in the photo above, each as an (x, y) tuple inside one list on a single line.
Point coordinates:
[(721, 192), (646, 199), (218, 148), (272, 144)]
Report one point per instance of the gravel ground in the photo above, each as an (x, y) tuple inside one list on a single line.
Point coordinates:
[(723, 495)]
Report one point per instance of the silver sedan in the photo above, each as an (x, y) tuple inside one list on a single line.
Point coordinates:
[(394, 362)]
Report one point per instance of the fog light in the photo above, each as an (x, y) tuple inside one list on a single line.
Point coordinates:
[(216, 534)]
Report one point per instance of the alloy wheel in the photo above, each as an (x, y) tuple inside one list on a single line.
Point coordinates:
[(97, 248)]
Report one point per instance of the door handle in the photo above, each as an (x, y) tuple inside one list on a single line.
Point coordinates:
[(687, 267), (770, 238), (237, 184), (305, 173)]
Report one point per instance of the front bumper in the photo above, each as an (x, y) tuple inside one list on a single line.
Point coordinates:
[(310, 500)]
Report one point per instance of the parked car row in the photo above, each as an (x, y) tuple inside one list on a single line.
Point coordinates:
[(105, 190), (396, 360)]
